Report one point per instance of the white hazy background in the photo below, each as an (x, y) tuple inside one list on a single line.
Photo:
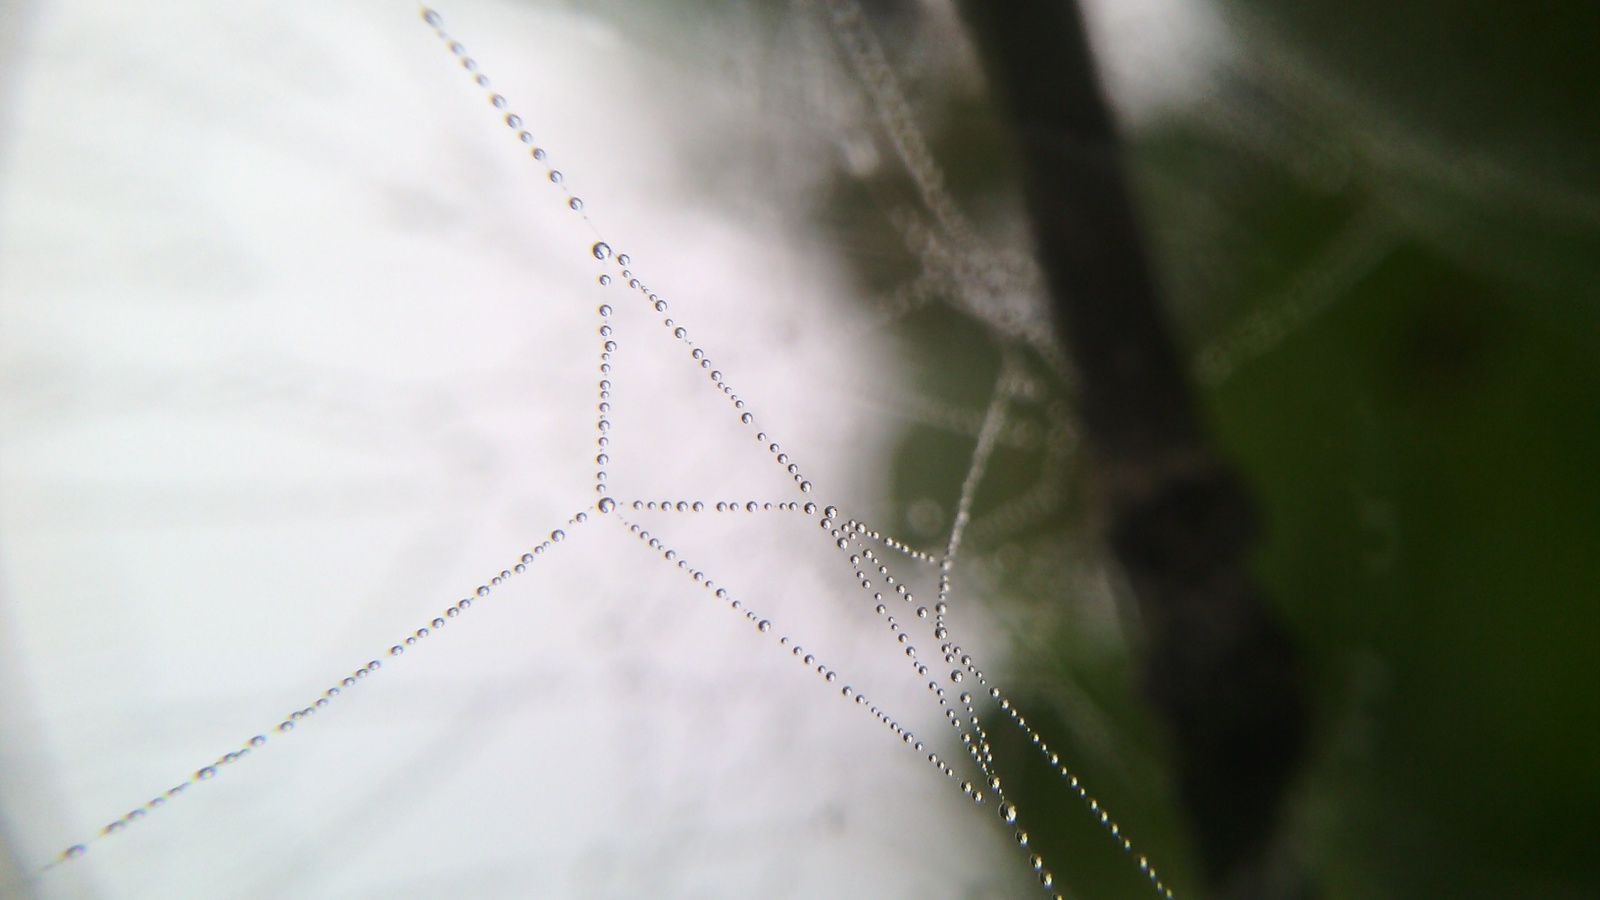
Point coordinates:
[(299, 347)]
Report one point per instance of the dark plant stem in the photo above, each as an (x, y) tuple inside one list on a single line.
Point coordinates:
[(1222, 672)]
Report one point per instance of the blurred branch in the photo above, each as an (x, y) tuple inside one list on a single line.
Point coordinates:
[(1222, 672)]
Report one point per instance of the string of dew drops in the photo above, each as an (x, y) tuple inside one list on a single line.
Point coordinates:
[(975, 739), (847, 538)]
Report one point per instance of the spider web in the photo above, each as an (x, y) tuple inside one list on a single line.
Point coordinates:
[(705, 501)]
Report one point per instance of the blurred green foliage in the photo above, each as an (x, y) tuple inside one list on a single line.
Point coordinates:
[(1380, 239)]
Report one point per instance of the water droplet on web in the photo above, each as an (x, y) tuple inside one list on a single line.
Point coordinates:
[(601, 250), (558, 536), (538, 153), (607, 504), (575, 204), (498, 101), (513, 120), (763, 626), (432, 18), (622, 259)]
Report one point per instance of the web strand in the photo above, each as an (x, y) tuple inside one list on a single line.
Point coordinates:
[(875, 576)]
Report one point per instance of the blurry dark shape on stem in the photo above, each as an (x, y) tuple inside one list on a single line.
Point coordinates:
[(1221, 670)]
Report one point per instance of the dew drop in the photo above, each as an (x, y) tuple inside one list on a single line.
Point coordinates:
[(75, 851), (205, 773), (601, 250), (513, 120), (805, 487), (575, 204), (763, 626), (956, 676), (607, 504), (498, 101), (538, 153), (434, 19), (622, 259)]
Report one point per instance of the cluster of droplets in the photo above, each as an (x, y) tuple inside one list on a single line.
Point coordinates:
[(502, 105), (602, 439), (721, 506), (861, 46), (602, 251), (350, 680), (874, 576), (809, 660), (872, 573)]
